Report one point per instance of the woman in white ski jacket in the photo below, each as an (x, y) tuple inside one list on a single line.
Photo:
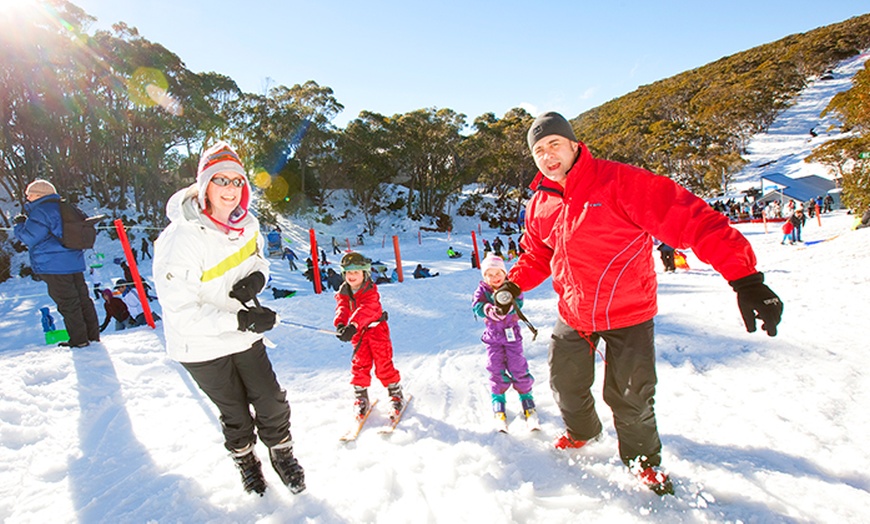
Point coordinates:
[(208, 268)]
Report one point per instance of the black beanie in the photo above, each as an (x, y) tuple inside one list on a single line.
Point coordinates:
[(551, 123)]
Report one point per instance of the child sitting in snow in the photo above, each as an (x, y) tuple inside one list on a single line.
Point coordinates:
[(506, 363), (360, 319)]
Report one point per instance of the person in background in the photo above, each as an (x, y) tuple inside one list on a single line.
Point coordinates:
[(589, 226), (423, 272), (291, 258), (62, 269), (829, 203), (116, 309), (208, 267), (144, 248), (667, 255), (333, 279), (797, 220)]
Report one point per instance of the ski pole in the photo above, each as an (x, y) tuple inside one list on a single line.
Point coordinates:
[(305, 326), (257, 306)]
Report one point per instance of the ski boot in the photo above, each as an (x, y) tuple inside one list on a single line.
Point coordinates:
[(566, 441), (397, 400), (529, 411), (498, 410), (250, 468), (653, 477), (287, 467), (361, 404)]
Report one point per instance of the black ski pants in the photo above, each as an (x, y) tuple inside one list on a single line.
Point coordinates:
[(235, 383), (629, 386), (74, 303)]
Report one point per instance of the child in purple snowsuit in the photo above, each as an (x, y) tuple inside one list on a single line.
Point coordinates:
[(506, 363)]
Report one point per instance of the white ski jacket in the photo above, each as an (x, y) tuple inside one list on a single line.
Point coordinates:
[(195, 266)]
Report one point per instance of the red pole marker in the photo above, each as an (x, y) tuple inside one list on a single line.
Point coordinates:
[(318, 287), (476, 253), (134, 269), (398, 258)]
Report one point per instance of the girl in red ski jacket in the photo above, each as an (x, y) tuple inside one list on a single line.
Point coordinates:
[(360, 320)]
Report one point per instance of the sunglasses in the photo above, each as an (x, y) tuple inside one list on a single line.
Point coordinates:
[(223, 181)]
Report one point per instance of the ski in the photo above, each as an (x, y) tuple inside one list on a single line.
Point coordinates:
[(532, 422), (353, 432), (394, 421), (500, 423)]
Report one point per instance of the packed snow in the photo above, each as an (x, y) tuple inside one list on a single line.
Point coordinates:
[(754, 428)]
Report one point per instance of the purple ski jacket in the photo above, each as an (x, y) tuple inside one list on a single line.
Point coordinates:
[(495, 329)]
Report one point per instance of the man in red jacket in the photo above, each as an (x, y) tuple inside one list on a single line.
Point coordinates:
[(590, 225)]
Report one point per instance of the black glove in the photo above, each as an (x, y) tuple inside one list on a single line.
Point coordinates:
[(345, 333), (256, 320), (756, 300), (247, 288), (504, 296), (20, 219)]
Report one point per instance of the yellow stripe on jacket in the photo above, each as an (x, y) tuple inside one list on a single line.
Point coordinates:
[(247, 250)]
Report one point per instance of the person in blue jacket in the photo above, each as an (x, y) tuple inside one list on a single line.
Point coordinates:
[(61, 268)]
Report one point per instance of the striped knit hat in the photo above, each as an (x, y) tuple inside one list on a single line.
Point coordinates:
[(221, 158)]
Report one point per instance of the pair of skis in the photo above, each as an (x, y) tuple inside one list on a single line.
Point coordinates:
[(386, 429), (531, 419)]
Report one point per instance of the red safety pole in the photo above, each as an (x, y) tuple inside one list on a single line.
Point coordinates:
[(476, 254), (419, 237), (398, 258), (819, 214), (134, 269), (348, 245), (315, 265), (764, 219)]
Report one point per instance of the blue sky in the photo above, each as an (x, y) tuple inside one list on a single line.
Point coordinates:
[(473, 57)]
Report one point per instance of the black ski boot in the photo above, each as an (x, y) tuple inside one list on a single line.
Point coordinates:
[(361, 404), (288, 468), (397, 400), (251, 470)]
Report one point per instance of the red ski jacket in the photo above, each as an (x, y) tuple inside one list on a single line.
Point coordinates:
[(361, 308), (595, 239)]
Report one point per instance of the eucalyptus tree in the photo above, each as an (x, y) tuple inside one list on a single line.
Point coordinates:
[(498, 155), (282, 125), (365, 163), (426, 145)]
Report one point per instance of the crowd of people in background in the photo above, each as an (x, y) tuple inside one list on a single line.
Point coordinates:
[(756, 209)]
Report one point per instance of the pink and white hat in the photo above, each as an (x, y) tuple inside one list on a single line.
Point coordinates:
[(492, 261)]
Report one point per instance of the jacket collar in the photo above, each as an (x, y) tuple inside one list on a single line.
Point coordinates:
[(54, 197)]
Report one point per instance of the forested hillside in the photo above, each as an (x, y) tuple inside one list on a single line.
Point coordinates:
[(118, 121), (694, 126)]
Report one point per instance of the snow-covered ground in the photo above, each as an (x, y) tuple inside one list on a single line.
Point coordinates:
[(755, 429)]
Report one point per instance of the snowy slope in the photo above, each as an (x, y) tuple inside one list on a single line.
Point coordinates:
[(783, 148), (755, 429)]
